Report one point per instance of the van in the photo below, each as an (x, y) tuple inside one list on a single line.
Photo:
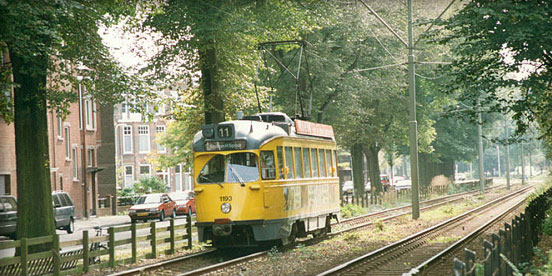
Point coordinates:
[(64, 211)]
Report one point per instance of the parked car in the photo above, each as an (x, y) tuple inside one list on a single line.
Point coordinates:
[(64, 211), (8, 216), (385, 182), (152, 206), (185, 202), (348, 187), (460, 177), (404, 184)]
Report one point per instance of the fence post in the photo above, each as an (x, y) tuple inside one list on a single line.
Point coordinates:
[(133, 239), (487, 256), (153, 240), (171, 229), (24, 254), (55, 255), (508, 246), (470, 262), (496, 254), (459, 267), (189, 230), (111, 232), (85, 248)]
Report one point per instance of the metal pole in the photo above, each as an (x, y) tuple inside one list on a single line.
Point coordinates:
[(413, 123), (498, 158), (507, 155), (522, 165), (480, 147)]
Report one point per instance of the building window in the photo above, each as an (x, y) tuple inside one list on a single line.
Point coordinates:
[(90, 114), (178, 177), (160, 130), (75, 165), (59, 128), (91, 158), (145, 170), (143, 139), (127, 139), (129, 176), (67, 144), (124, 107), (61, 182)]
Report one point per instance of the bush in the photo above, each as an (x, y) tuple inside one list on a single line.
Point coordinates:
[(547, 224), (151, 184), (351, 210)]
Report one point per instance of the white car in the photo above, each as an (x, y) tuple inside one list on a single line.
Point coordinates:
[(348, 187), (404, 184)]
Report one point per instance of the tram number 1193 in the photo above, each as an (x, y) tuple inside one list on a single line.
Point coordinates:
[(226, 198)]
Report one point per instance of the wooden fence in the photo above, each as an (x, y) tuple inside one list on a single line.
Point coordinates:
[(426, 192), (84, 258)]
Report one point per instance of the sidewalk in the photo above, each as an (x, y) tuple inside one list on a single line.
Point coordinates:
[(104, 221)]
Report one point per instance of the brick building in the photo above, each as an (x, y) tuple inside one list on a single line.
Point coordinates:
[(136, 143), (75, 142)]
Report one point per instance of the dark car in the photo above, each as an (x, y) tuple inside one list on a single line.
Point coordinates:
[(185, 202), (8, 216), (64, 211), (152, 206)]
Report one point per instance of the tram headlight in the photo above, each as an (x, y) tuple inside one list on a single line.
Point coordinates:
[(225, 207)]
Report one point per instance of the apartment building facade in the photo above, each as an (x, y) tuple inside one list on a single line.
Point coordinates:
[(74, 142), (136, 144)]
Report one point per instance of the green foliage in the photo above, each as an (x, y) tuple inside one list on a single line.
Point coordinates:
[(352, 210), (151, 184), (547, 223), (274, 254), (127, 191)]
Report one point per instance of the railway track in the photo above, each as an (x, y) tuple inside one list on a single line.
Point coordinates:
[(417, 249), (211, 260)]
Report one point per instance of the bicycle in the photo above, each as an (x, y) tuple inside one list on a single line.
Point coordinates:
[(97, 246)]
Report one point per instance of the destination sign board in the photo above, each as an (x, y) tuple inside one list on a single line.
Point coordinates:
[(225, 145), (314, 129)]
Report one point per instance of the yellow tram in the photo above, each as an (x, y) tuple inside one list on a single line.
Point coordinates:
[(264, 178)]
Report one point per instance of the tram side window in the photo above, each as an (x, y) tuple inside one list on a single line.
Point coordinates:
[(329, 162), (298, 163), (306, 163), (314, 162), (279, 152), (334, 160), (322, 164), (268, 168), (289, 162)]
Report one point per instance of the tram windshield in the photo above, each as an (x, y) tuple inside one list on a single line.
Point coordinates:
[(233, 168)]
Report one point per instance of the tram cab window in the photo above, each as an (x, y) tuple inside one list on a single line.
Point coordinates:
[(268, 168), (298, 163), (314, 162), (306, 163), (213, 171), (289, 162), (280, 153), (242, 167), (322, 165)]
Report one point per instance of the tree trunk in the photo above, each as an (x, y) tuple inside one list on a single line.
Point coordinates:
[(35, 215), (214, 104), (358, 166), (373, 169)]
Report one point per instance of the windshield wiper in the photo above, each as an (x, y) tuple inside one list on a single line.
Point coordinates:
[(236, 175), (211, 180)]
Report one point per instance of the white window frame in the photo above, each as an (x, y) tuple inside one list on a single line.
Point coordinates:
[(74, 151), (131, 174), (59, 128), (178, 177), (127, 131), (91, 156), (67, 134), (90, 113), (143, 131), (160, 129), (149, 169)]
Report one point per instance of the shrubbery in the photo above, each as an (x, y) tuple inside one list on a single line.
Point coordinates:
[(352, 210)]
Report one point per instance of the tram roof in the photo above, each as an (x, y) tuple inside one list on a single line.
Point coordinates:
[(245, 134)]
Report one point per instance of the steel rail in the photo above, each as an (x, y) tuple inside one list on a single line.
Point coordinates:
[(416, 236), (218, 266), (150, 267), (425, 265)]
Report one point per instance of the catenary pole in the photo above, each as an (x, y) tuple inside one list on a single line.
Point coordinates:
[(480, 147), (507, 155), (413, 124)]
